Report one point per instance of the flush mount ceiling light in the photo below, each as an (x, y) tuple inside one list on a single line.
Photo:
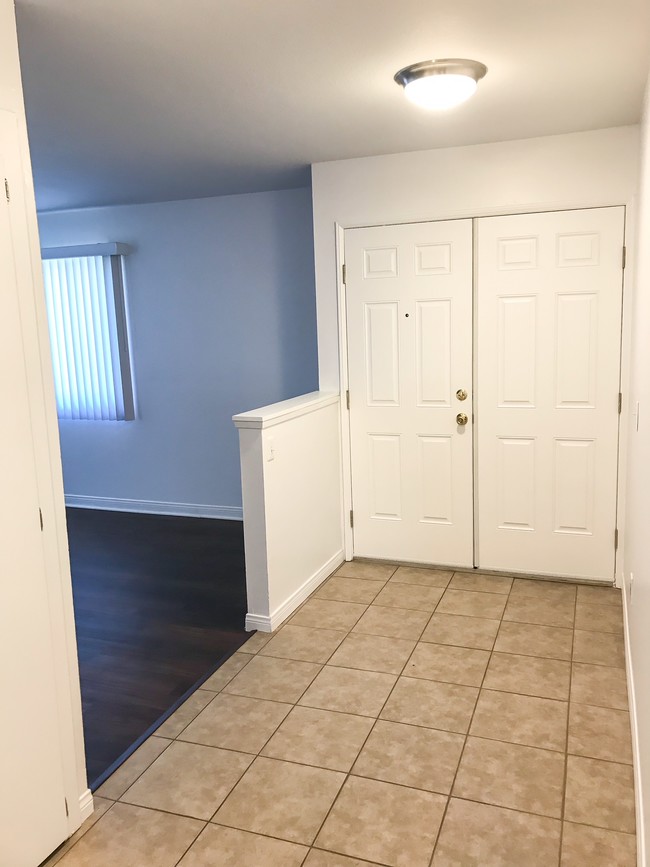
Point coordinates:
[(440, 84)]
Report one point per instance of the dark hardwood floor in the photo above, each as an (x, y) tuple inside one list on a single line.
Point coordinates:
[(159, 601)]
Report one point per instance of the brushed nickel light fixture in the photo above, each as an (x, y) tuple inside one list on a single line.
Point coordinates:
[(440, 84)]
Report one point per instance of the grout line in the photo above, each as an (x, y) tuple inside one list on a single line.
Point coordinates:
[(566, 736), (467, 735), (201, 830)]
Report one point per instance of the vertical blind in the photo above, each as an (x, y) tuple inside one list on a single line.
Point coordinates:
[(85, 338)]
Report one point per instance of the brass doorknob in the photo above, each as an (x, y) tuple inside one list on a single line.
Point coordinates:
[(461, 418), (461, 394)]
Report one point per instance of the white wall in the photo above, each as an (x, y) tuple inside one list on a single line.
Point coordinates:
[(292, 493), (220, 294), (46, 447), (564, 171), (636, 550)]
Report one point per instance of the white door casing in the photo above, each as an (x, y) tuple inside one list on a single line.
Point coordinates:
[(32, 793), (409, 314), (549, 293)]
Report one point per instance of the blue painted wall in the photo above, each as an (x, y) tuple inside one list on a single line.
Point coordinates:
[(222, 315)]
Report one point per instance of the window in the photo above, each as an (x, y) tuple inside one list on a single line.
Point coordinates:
[(84, 293)]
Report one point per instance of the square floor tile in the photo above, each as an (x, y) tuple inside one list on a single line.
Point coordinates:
[(190, 708), (528, 675), (349, 691), (328, 614), (320, 738), (551, 611), (424, 577), (481, 581), (382, 822), (392, 622), (461, 631), (521, 719), (600, 793), (472, 603), (412, 596), (411, 756), (274, 679), (600, 733), (359, 569), (445, 706), (599, 648), (596, 847), (119, 781), (235, 722), (599, 618), (126, 836), (599, 685), (304, 643), (448, 664), (479, 835), (373, 653), (256, 642), (224, 847), (188, 779), (511, 775), (281, 799), (599, 595), (528, 639), (543, 589), (225, 673), (349, 589)]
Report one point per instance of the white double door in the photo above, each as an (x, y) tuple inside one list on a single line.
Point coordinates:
[(523, 314)]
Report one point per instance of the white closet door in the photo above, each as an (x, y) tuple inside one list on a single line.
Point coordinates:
[(549, 322), (409, 326), (32, 794)]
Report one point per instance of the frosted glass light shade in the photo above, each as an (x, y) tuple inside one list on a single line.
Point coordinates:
[(440, 91), (440, 84)]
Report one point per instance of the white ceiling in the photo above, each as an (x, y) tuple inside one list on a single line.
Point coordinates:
[(149, 100)]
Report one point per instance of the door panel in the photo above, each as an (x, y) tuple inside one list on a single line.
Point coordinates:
[(32, 795), (409, 315), (549, 320)]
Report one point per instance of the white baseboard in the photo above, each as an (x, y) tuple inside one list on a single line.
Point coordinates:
[(638, 790), (86, 806), (269, 623), (155, 507)]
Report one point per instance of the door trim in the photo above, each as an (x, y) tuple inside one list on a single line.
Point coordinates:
[(346, 470)]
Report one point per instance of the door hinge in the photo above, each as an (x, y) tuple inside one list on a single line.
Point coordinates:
[(343, 273), (616, 539), (624, 258), (7, 190), (620, 402), (67, 811), (347, 398), (40, 517), (351, 518)]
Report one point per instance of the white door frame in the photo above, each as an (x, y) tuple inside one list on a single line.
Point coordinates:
[(624, 374)]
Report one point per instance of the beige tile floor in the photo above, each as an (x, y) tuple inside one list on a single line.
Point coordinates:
[(403, 717)]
